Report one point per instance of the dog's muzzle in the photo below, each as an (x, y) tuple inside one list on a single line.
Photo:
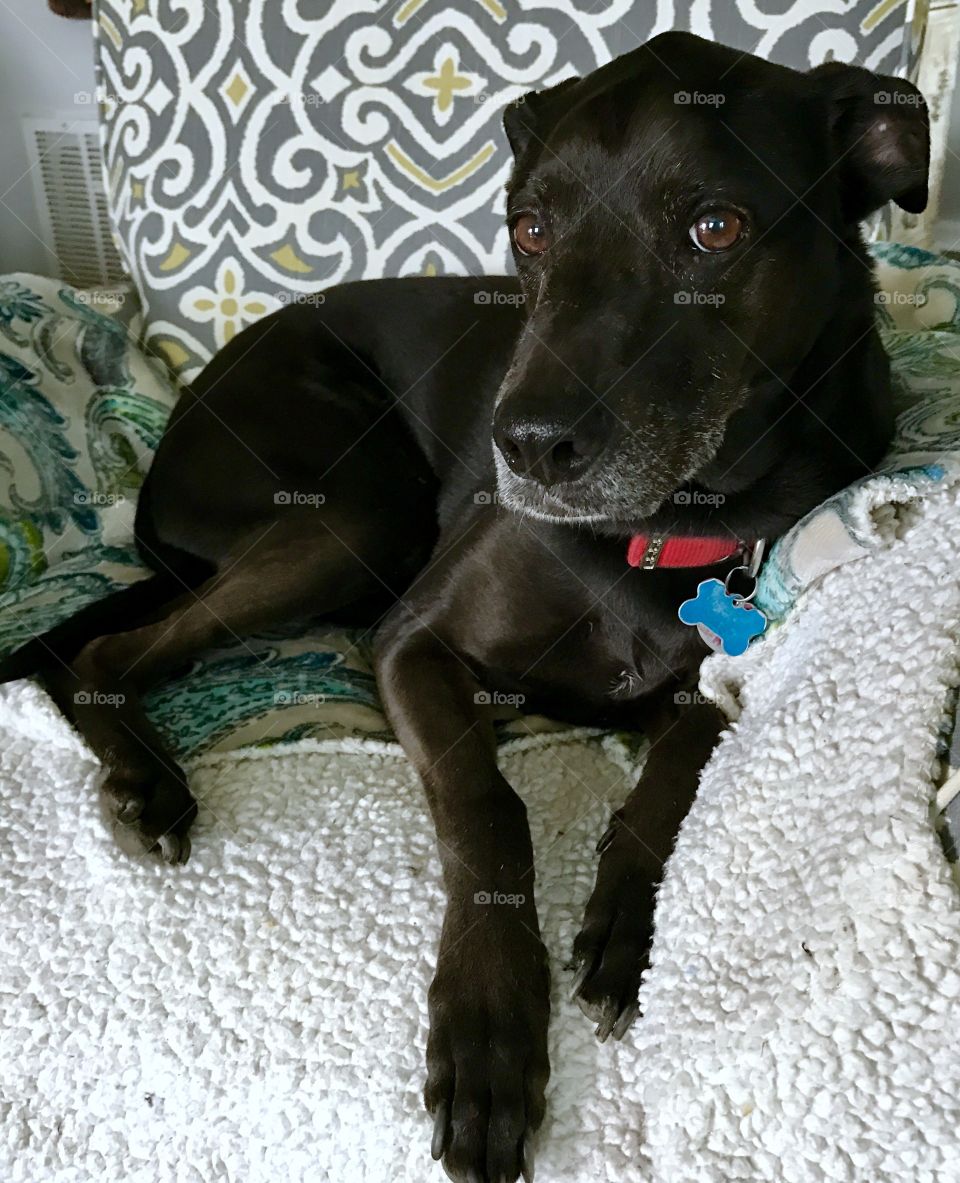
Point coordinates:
[(549, 451)]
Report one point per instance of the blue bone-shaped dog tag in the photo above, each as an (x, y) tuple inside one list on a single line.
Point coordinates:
[(724, 620)]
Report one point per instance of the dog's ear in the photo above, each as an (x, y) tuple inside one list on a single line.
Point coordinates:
[(527, 120), (881, 138)]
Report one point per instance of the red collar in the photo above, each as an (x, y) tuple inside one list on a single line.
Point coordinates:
[(650, 551)]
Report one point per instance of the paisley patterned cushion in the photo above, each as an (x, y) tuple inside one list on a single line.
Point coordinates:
[(81, 412), (255, 151), (82, 409)]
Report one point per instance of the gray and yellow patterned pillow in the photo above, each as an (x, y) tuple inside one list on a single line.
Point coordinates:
[(258, 151)]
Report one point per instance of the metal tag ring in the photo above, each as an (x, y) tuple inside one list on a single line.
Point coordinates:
[(741, 599)]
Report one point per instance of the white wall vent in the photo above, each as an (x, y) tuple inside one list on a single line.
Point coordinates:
[(72, 208)]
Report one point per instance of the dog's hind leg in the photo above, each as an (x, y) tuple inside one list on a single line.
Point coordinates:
[(283, 575)]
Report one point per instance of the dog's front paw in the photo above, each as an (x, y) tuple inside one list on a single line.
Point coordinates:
[(612, 949), (487, 1064)]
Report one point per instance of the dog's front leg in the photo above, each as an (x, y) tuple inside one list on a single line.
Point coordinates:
[(489, 1003), (612, 949)]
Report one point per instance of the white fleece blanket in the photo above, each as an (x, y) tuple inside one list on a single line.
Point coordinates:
[(801, 1012), (258, 1015)]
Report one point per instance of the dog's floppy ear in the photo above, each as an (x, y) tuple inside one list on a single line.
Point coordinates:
[(881, 138), (528, 119)]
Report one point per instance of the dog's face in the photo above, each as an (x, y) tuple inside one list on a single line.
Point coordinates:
[(684, 223)]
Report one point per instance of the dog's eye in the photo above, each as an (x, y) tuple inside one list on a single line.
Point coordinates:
[(530, 235), (717, 230)]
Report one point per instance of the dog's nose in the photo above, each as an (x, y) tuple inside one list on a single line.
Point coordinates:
[(548, 452)]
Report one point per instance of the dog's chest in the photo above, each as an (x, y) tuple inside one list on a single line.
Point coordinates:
[(583, 642)]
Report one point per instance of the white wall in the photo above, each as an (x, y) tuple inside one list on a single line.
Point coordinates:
[(948, 230), (45, 61)]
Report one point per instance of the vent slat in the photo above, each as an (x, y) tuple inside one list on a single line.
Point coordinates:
[(72, 202)]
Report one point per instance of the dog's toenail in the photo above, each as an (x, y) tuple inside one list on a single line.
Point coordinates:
[(627, 1015), (607, 1023), (130, 812), (526, 1160), (582, 974), (169, 847), (608, 836), (439, 1131)]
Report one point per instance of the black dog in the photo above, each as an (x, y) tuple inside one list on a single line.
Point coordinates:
[(696, 359)]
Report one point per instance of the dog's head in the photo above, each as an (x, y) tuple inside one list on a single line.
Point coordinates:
[(684, 223)]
